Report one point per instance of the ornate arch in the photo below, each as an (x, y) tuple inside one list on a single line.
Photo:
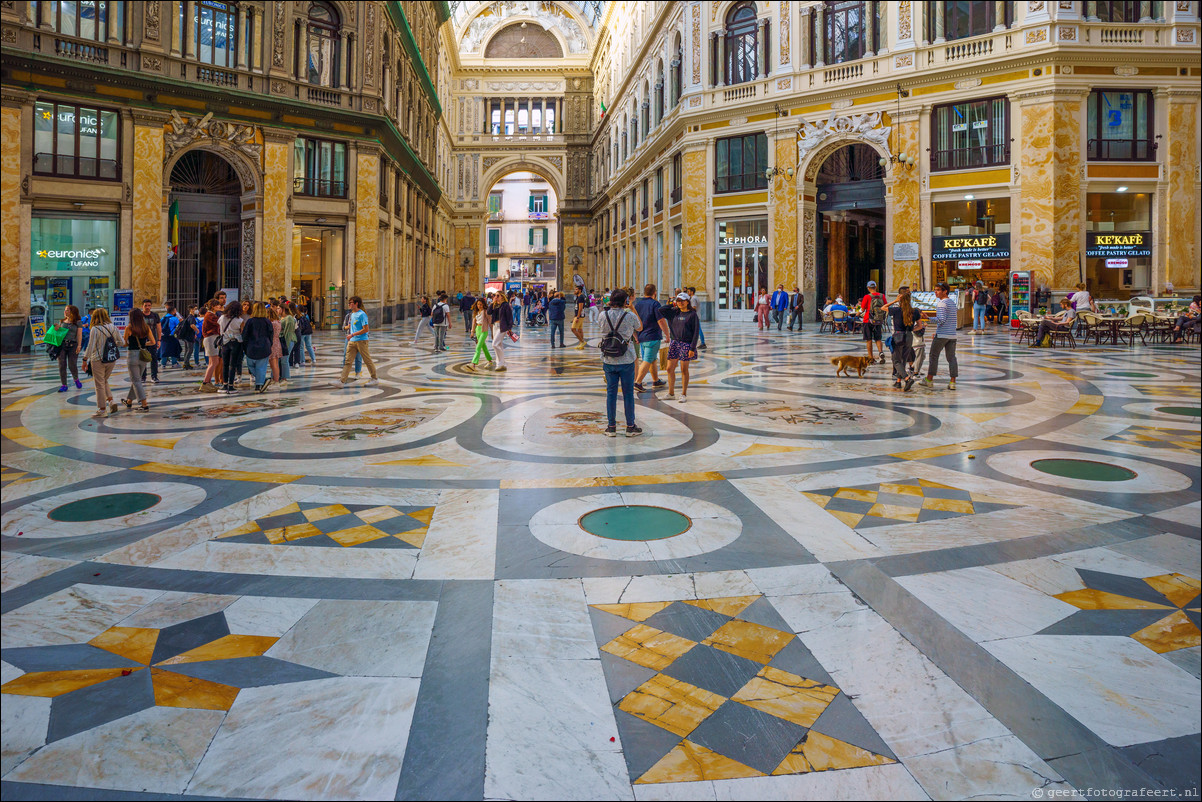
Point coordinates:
[(489, 18), (248, 172), (817, 141), (541, 167)]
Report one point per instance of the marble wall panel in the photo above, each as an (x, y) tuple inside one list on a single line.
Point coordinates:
[(786, 267), (149, 247), (694, 255), (367, 229), (276, 273), (905, 217), (14, 295), (1181, 168), (1050, 175)]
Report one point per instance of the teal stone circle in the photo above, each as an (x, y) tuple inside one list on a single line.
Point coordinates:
[(637, 522), (99, 508), (1087, 470), (1193, 411), (1127, 374)]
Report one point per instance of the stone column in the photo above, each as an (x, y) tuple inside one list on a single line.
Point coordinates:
[(695, 255), (1050, 170), (720, 60), (1179, 252), (903, 206), (1091, 10), (939, 12), (999, 15), (275, 278), (240, 39), (14, 216), (344, 76), (819, 37), (149, 223), (189, 34), (807, 37), (298, 59), (782, 219), (761, 48), (870, 32), (347, 57), (365, 269)]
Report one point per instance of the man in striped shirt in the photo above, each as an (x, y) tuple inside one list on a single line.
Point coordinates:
[(945, 337)]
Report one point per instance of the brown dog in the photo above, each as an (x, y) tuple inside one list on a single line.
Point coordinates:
[(845, 363)]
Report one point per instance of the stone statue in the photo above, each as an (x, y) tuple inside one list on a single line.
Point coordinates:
[(866, 127)]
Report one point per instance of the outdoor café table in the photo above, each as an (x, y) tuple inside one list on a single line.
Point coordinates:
[(1113, 323)]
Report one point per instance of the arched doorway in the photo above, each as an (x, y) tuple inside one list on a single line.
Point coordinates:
[(208, 258), (850, 235), (520, 237)]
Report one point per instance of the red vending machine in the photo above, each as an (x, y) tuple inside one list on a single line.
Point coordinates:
[(1020, 295)]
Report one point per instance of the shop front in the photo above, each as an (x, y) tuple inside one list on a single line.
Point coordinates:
[(742, 266), (73, 263), (970, 241), (1118, 244), (319, 277)]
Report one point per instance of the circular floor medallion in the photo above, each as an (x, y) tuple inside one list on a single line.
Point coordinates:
[(1084, 469), (1128, 374), (1191, 411), (636, 522), (98, 508)]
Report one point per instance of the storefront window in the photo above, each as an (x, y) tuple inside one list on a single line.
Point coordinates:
[(73, 262), (1118, 243), (75, 141), (970, 240), (974, 134), (1120, 125), (742, 264)]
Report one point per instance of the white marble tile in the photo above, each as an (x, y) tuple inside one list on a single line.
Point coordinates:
[(721, 584), (23, 724), (542, 618), (338, 738), (252, 558), (551, 733), (152, 751), (373, 638), (789, 580), (819, 532), (174, 608), (72, 615), (701, 791), (1190, 514), (872, 782), (8, 672), (991, 768), (1173, 553), (21, 569), (985, 605), (462, 538), (627, 590), (1043, 574), (1114, 685), (271, 616), (1109, 561)]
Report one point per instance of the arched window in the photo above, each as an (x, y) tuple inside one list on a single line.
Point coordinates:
[(322, 42), (741, 62), (677, 71), (659, 91), (646, 108)]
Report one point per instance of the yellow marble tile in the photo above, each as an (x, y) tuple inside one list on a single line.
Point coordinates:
[(291, 508), (671, 704), (667, 478), (284, 534), (427, 460), (414, 537), (929, 483), (377, 514), (730, 605), (588, 481), (248, 528), (849, 518), (157, 442), (648, 647), (820, 500), (177, 690), (226, 647), (1086, 405), (425, 515), (23, 437), (639, 611), (787, 696), (24, 403), (1177, 588), (856, 494), (56, 683), (948, 505), (761, 449), (982, 417), (819, 752), (1090, 599), (900, 490), (1169, 634), (132, 643), (689, 762), (958, 448), (753, 641), (358, 534), (217, 473), (895, 511), (321, 513)]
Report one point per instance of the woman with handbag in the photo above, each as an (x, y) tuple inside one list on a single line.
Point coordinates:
[(229, 340), (102, 360), (482, 324), (68, 351), (138, 341)]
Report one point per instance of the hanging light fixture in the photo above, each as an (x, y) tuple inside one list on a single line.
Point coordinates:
[(904, 159)]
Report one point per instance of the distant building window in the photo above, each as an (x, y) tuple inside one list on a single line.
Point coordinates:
[(319, 168), (965, 18), (1118, 11), (742, 162), (216, 33), (322, 45), (76, 141), (85, 19), (846, 31), (741, 59), (1120, 125), (973, 134), (494, 203)]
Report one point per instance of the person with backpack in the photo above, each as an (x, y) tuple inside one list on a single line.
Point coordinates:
[(304, 332), (556, 312), (980, 302), (618, 327), (873, 306), (101, 356), (185, 332), (440, 319), (140, 344), (902, 341), (229, 340)]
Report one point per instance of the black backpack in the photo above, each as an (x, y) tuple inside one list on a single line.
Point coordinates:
[(304, 326), (612, 345), (186, 330), (110, 353), (439, 314)]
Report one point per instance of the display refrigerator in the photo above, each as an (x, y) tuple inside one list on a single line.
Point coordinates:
[(1020, 295)]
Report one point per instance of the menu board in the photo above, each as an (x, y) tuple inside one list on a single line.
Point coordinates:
[(1020, 294)]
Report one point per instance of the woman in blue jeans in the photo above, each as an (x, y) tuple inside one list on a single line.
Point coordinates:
[(980, 303), (258, 336)]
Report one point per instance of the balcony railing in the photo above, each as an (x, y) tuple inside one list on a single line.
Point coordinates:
[(538, 248), (659, 205), (736, 93), (965, 158), (210, 75), (81, 51), (495, 250), (496, 216), (327, 97), (319, 188), (1121, 150), (677, 194)]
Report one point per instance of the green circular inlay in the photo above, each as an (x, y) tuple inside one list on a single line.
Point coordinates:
[(1127, 374), (1191, 411), (1083, 469), (100, 507), (635, 523)]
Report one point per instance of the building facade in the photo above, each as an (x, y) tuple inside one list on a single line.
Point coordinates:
[(521, 238)]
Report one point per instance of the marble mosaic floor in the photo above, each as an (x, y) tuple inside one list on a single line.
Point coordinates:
[(393, 592)]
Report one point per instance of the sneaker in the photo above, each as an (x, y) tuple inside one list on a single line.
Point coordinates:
[(702, 347), (154, 381), (659, 383), (78, 384), (639, 388), (897, 384), (909, 383), (926, 382), (260, 388), (471, 368), (951, 385), (501, 369), (671, 396), (611, 431), (100, 413), (63, 389), (112, 408), (684, 398), (266, 383), (208, 388), (373, 382), (633, 431)]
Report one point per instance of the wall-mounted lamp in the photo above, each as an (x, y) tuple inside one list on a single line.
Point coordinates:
[(772, 172), (903, 158)]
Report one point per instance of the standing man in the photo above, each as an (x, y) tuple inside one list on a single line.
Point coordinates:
[(356, 342), (694, 306), (440, 319), (466, 302), (873, 306), (156, 328), (652, 329), (502, 324), (618, 326), (945, 337), (779, 304), (555, 315), (797, 308)]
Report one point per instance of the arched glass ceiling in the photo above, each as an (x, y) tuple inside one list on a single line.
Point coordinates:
[(591, 10), (575, 21)]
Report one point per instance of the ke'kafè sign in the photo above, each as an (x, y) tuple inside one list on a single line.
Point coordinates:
[(985, 246), (1125, 244)]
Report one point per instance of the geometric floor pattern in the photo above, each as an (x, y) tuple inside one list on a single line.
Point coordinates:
[(729, 695), (907, 501), (1160, 437), (12, 476), (349, 525)]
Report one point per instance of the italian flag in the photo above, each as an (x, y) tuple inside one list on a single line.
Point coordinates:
[(173, 227), (602, 108)]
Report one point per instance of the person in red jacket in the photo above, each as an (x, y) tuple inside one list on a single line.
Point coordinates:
[(873, 305)]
